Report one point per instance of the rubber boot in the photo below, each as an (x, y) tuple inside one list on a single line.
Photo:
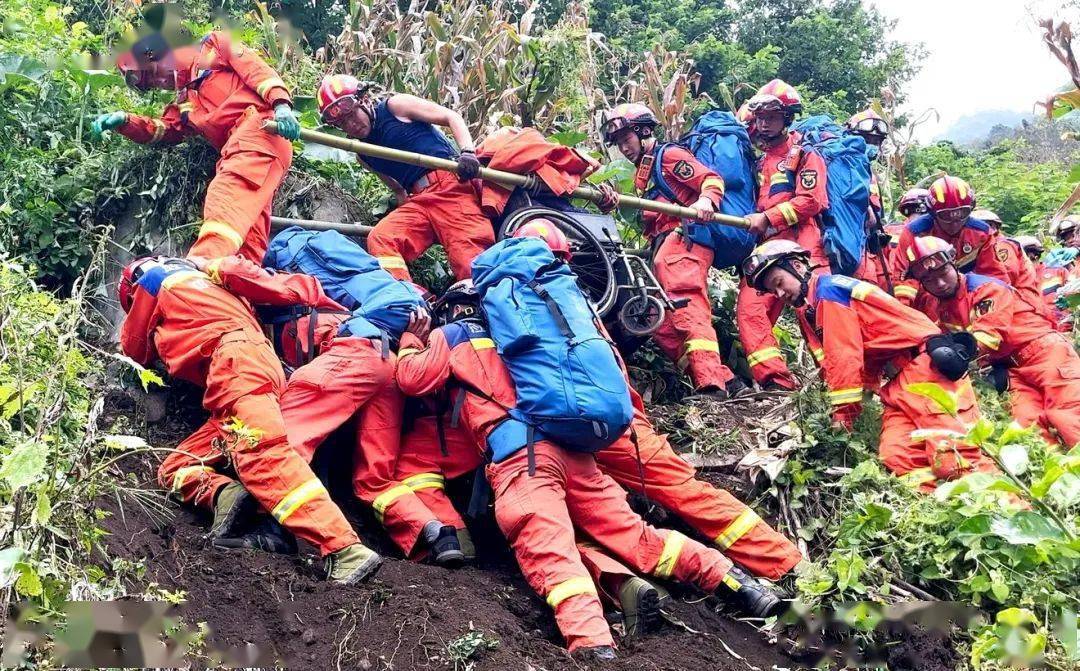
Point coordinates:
[(749, 596), (468, 548), (598, 653), (352, 565), (444, 544), (640, 603), (267, 536), (232, 506)]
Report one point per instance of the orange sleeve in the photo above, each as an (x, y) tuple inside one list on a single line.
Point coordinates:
[(423, 370), (137, 327), (905, 290), (989, 263), (168, 129), (992, 307), (682, 167), (810, 196), (219, 48), (247, 280), (843, 361)]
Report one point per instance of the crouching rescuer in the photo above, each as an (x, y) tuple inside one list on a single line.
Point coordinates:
[(866, 334), (535, 382), (181, 314)]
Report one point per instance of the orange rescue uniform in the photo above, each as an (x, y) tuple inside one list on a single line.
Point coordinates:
[(230, 94), (538, 512), (206, 335)]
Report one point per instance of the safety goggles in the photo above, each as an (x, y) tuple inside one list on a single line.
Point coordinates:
[(612, 127), (1065, 235), (953, 215), (872, 127), (339, 109), (928, 265)]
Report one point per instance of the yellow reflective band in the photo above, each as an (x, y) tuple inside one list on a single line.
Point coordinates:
[(669, 557), (391, 262), (918, 476), (778, 178), (405, 351), (845, 396), (905, 291), (702, 345), (732, 583), (180, 278), (714, 182), (184, 473), (961, 188), (159, 130), (296, 498), (987, 340), (425, 481), (482, 343), (922, 435), (939, 192), (861, 290), (819, 354), (383, 501), (222, 230), (761, 179), (763, 355), (268, 84), (186, 107), (213, 270), (790, 216), (746, 521), (569, 588)]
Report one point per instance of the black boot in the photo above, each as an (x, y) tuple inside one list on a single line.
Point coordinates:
[(444, 544), (749, 595), (735, 388), (598, 653), (267, 536), (709, 393)]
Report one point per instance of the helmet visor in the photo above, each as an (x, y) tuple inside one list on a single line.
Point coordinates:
[(927, 265), (613, 126), (872, 127)]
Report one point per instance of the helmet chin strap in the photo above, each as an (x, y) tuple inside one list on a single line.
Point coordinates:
[(804, 282)]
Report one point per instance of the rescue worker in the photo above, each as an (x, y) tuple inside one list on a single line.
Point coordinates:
[(1035, 364), (873, 129), (341, 377), (686, 335), (538, 508), (914, 203), (224, 92), (1067, 233), (180, 312), (791, 194), (1020, 269), (1050, 280), (643, 461), (435, 206), (863, 330)]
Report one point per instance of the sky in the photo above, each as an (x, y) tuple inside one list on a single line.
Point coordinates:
[(981, 55)]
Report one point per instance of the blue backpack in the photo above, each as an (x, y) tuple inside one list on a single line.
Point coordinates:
[(379, 303), (570, 388), (722, 144), (843, 223)]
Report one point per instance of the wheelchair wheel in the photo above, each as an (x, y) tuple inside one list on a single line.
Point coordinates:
[(591, 261), (641, 315)]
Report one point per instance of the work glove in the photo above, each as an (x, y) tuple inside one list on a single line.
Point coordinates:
[(104, 122), (845, 415), (999, 377), (946, 357), (609, 198), (288, 126), (468, 166)]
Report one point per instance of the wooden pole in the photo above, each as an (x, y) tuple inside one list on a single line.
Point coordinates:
[(509, 179), (358, 230)]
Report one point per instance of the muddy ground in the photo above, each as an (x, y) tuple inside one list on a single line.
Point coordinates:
[(268, 609)]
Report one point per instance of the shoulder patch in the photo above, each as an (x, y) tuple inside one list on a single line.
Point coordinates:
[(683, 170), (1002, 253), (808, 179), (983, 307)]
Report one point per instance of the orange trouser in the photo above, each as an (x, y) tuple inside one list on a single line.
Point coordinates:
[(538, 513), (1044, 386), (426, 463), (922, 441), (714, 513), (350, 378), (447, 212), (246, 430), (687, 335), (236, 212), (755, 316)]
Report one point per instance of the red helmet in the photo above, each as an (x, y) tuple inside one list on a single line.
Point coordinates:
[(336, 88), (149, 53), (129, 277), (914, 201), (546, 230), (634, 116), (786, 93), (951, 193), (927, 254), (868, 124)]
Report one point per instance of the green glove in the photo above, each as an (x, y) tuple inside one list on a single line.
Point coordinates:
[(105, 122), (288, 126)]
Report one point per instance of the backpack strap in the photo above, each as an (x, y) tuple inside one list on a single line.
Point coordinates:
[(481, 494), (459, 401), (658, 175), (551, 303), (441, 431), (530, 440)]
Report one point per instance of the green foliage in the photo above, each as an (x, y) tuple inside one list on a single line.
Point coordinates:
[(463, 649)]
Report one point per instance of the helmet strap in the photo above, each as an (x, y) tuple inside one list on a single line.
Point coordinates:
[(804, 281)]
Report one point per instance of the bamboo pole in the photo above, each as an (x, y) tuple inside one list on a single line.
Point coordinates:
[(509, 179), (358, 230)]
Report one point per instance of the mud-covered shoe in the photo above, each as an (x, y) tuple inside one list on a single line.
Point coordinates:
[(352, 565), (749, 596), (596, 653), (709, 393), (468, 548), (232, 507), (773, 385), (735, 388), (446, 550), (640, 603), (267, 536)]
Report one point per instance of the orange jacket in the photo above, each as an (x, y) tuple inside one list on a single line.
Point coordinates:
[(976, 251), (999, 317), (224, 79), (525, 151), (862, 328), (791, 186), (178, 314), (686, 176), (460, 355)]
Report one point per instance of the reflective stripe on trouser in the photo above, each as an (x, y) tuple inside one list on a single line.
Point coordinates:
[(534, 512), (252, 432), (919, 437), (714, 513), (1048, 373), (236, 212), (447, 212), (755, 315), (190, 471), (687, 335)]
